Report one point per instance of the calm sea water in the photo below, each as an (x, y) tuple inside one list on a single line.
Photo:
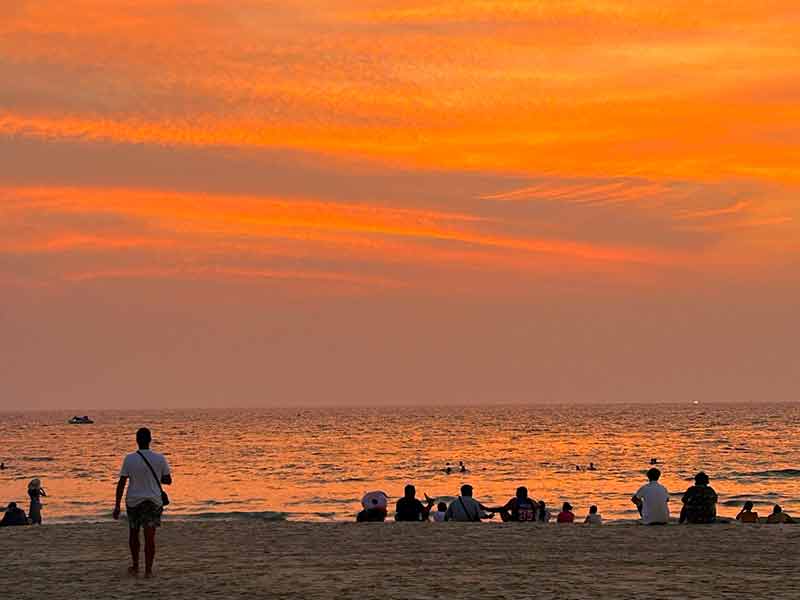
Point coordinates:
[(316, 464)]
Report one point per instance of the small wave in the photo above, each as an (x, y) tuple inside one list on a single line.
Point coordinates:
[(772, 473), (36, 458), (267, 515)]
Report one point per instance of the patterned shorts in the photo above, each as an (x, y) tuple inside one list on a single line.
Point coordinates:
[(144, 514)]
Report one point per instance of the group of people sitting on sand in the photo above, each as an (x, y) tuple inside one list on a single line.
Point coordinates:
[(699, 505)]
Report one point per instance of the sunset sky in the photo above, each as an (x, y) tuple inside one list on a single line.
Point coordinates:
[(341, 202)]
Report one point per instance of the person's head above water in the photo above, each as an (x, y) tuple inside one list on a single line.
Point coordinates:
[(522, 492), (466, 490), (777, 509), (701, 479), (143, 438), (653, 474), (593, 509), (748, 506), (410, 491)]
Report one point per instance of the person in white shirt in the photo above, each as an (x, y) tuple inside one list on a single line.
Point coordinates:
[(594, 517), (652, 500), (438, 515), (144, 471), (466, 508)]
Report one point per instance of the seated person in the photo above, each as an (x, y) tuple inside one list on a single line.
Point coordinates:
[(542, 514), (466, 508), (566, 515), (778, 516), (747, 515), (374, 504), (699, 502), (408, 508), (519, 508), (593, 518), (438, 514), (13, 516)]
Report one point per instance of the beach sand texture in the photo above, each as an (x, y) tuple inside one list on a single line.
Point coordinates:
[(255, 559)]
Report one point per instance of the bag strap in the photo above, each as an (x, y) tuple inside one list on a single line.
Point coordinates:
[(466, 512), (149, 466)]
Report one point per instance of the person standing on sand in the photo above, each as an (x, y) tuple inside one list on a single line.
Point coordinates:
[(36, 492), (699, 502), (652, 500), (144, 471)]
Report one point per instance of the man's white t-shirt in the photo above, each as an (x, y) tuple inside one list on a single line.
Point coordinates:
[(141, 483), (654, 498)]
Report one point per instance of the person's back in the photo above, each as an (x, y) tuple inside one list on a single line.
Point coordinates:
[(439, 514), (699, 502), (593, 518), (408, 508), (520, 507), (143, 472), (13, 516), (371, 515), (747, 514), (652, 500), (566, 515), (465, 508), (778, 516)]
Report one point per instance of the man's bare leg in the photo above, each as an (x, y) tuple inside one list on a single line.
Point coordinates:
[(149, 550), (133, 542)]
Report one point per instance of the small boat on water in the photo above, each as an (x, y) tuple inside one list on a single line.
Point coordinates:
[(84, 420)]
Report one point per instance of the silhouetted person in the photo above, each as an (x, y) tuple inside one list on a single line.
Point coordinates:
[(36, 493), (13, 516), (2, 466), (440, 512), (591, 467), (466, 508), (653, 461), (374, 508), (519, 508), (448, 469), (593, 518), (408, 508), (566, 515), (699, 502), (652, 500), (747, 515), (461, 466), (144, 471), (778, 516), (542, 514)]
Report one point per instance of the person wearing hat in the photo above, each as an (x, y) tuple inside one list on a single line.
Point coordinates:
[(374, 508), (36, 493), (13, 516), (699, 502), (566, 515)]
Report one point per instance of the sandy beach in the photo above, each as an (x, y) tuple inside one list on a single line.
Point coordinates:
[(257, 559)]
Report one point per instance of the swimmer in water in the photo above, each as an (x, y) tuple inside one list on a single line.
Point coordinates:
[(591, 467), (448, 469), (653, 461), (462, 468)]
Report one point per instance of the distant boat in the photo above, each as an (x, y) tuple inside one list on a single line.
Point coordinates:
[(84, 420)]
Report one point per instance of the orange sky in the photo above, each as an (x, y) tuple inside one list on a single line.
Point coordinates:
[(598, 197)]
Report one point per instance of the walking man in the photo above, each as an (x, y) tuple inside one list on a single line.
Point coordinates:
[(144, 471)]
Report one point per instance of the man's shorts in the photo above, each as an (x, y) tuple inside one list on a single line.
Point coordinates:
[(144, 514)]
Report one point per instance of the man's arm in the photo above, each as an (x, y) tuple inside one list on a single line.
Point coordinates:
[(120, 491)]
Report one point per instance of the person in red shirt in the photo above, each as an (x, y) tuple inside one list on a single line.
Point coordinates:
[(566, 515)]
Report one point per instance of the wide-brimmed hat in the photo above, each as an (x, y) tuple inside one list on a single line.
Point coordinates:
[(375, 500)]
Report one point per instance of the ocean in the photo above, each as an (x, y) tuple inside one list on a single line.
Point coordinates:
[(314, 465)]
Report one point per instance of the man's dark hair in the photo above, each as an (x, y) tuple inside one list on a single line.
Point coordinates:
[(701, 479), (777, 509), (593, 509), (12, 505), (410, 491), (144, 437), (466, 490), (522, 492), (653, 474)]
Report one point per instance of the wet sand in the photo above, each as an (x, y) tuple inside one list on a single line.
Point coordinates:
[(256, 559)]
